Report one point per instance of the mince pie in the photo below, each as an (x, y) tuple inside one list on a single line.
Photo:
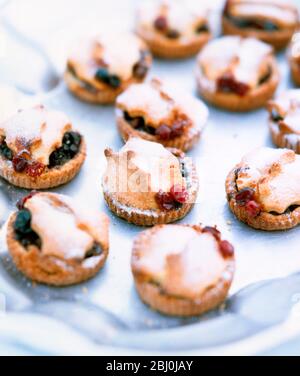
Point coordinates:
[(101, 68), (272, 21), (182, 270), (39, 149), (237, 74), (57, 241), (147, 184), (263, 190), (173, 29), (284, 120), (162, 114)]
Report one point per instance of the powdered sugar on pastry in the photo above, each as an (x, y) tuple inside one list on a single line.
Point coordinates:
[(120, 52), (38, 130), (183, 17), (280, 11), (139, 171), (183, 261), (232, 54), (67, 231), (288, 107), (157, 103), (274, 174)]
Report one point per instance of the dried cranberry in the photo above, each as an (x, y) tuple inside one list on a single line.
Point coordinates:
[(178, 129), (161, 23), (243, 23), (22, 201), (244, 196), (165, 200), (228, 84), (21, 160), (35, 169), (163, 132), (179, 194), (226, 249), (214, 231), (252, 208)]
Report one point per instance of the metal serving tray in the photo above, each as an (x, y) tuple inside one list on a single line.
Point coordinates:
[(105, 315)]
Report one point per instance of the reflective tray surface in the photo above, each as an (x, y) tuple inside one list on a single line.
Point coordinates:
[(105, 314)]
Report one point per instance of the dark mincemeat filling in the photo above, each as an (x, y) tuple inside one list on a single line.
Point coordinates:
[(22, 163), (249, 23), (141, 68), (163, 132), (289, 210), (228, 84), (86, 85), (27, 237), (138, 123), (266, 77), (102, 74), (23, 231), (69, 149), (275, 116), (202, 29), (174, 34), (232, 196), (161, 25), (139, 71)]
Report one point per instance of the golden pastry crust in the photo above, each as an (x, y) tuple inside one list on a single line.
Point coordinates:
[(50, 270), (294, 58), (264, 221), (50, 178), (185, 142), (153, 295), (295, 71), (171, 29), (282, 132), (119, 67), (277, 38), (255, 99), (283, 140), (154, 217), (146, 109), (165, 48), (105, 96)]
